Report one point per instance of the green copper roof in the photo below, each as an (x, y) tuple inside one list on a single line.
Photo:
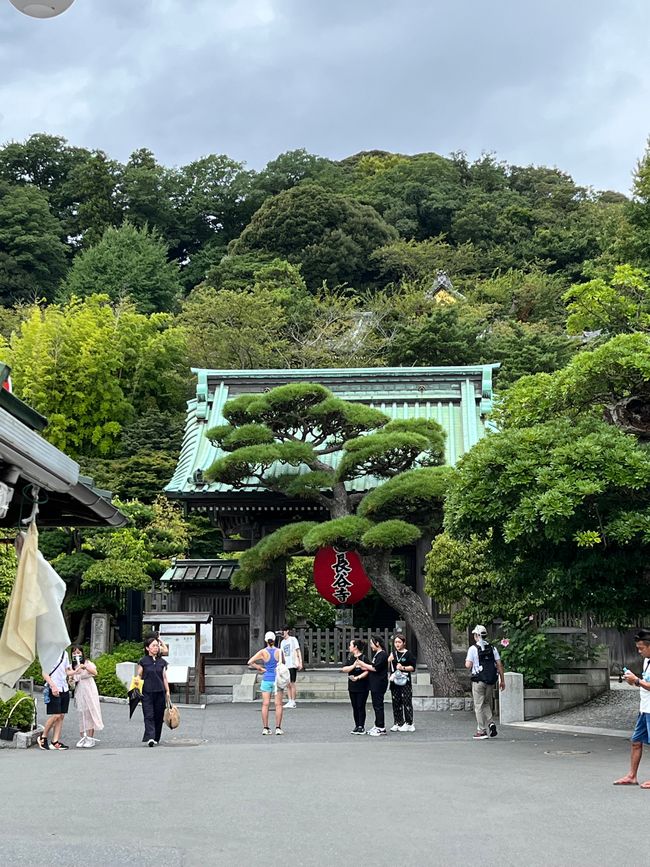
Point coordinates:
[(457, 397)]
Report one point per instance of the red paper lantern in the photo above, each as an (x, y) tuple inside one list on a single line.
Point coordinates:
[(340, 577)]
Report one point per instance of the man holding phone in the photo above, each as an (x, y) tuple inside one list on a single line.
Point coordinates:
[(641, 733)]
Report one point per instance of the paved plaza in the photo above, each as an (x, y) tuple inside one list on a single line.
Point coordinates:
[(216, 792)]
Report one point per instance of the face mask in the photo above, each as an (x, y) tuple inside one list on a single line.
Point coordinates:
[(77, 659)]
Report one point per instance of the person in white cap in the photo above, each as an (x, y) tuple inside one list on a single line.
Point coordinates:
[(266, 661), (486, 668)]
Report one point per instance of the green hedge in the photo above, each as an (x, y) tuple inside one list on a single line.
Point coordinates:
[(22, 717)]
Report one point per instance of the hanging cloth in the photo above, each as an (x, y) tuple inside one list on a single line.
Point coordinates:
[(34, 621)]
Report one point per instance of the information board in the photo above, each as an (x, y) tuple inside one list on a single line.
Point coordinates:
[(182, 649)]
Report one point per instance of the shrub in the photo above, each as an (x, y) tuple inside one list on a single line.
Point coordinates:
[(527, 649), (23, 716)]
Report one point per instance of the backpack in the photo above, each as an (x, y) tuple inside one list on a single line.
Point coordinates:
[(487, 672)]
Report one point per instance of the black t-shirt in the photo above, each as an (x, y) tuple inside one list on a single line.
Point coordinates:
[(357, 685), (404, 657), (379, 676), (152, 673)]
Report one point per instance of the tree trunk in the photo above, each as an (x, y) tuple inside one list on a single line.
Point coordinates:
[(81, 631), (433, 648)]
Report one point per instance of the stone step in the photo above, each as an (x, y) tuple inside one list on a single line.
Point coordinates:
[(234, 668), (221, 679)]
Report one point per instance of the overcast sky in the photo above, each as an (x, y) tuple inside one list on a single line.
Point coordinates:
[(556, 83)]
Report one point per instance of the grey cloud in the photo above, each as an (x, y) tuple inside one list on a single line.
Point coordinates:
[(557, 83)]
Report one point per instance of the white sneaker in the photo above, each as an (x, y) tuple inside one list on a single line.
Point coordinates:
[(375, 732), (395, 728), (410, 727), (279, 731), (372, 731), (405, 728), (90, 742), (290, 704), (82, 742)]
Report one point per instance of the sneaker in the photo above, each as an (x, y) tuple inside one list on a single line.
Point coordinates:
[(394, 728), (375, 732), (290, 704), (90, 743), (405, 728), (266, 731), (42, 743), (151, 742), (409, 727), (480, 736), (359, 730), (493, 730), (57, 745), (83, 741), (278, 731)]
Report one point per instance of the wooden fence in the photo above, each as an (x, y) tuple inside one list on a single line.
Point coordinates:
[(324, 648)]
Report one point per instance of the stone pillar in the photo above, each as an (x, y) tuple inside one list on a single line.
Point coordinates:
[(99, 635), (257, 612), (511, 700)]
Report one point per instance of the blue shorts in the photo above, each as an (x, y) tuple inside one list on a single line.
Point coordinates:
[(268, 686), (641, 733)]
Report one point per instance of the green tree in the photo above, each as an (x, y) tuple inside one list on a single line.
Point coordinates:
[(329, 235), (82, 364), (92, 190), (33, 257), (146, 189), (460, 577), (127, 263), (230, 329), (569, 503), (43, 161), (301, 424), (450, 334), (618, 306), (524, 348), (611, 382)]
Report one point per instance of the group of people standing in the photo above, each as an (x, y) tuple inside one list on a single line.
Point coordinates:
[(373, 675), (78, 676)]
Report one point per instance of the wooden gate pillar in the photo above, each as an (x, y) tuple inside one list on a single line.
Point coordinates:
[(257, 613)]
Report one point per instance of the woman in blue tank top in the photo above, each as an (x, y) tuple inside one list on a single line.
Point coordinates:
[(266, 661)]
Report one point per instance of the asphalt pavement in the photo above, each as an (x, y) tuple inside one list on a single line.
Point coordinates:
[(217, 792)]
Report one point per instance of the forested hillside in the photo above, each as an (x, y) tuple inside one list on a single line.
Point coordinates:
[(116, 278)]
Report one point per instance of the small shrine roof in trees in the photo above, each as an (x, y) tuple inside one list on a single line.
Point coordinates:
[(459, 398)]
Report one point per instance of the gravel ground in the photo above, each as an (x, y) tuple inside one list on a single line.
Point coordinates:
[(616, 709)]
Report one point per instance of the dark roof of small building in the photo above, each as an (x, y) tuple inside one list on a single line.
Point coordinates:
[(201, 571)]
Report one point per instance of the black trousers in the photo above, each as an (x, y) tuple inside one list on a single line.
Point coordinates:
[(377, 693), (402, 703), (358, 701), (153, 710)]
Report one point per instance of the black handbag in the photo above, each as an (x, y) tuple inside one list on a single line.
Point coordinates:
[(7, 731)]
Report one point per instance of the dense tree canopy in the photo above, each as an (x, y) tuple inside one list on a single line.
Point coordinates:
[(375, 259), (331, 235)]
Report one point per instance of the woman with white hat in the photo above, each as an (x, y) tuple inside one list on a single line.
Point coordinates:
[(266, 661)]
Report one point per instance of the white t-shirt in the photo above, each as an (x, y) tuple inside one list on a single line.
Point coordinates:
[(472, 656), (644, 694), (288, 646), (59, 676)]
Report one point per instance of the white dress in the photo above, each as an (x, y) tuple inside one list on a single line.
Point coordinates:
[(86, 699)]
